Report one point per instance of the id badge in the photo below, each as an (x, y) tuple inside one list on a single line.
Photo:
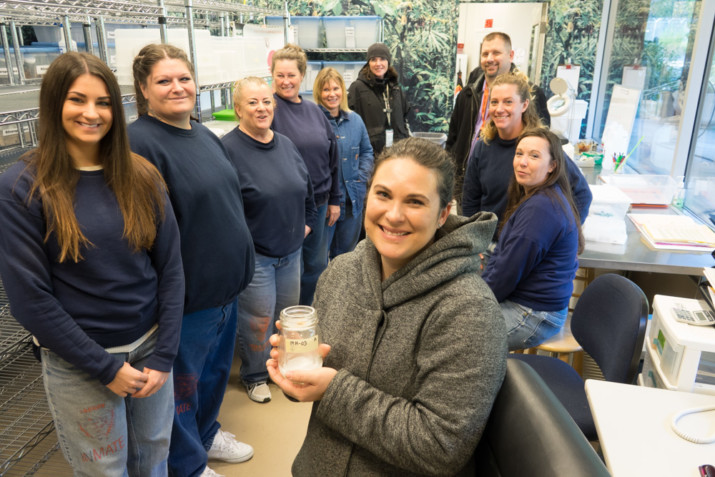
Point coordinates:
[(388, 137)]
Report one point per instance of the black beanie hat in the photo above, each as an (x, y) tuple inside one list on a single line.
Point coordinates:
[(379, 49)]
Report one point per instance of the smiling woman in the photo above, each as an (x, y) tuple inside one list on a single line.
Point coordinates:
[(86, 118), (98, 279), (489, 167), (306, 126), (404, 318), (403, 212), (531, 272), (378, 98), (355, 156), (216, 250), (280, 212)]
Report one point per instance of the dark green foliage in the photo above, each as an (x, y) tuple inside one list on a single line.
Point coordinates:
[(422, 35)]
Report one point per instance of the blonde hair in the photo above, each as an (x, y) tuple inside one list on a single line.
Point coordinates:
[(241, 84), (529, 119), (291, 52), (324, 76)]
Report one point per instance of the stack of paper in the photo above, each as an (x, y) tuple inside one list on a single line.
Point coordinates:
[(674, 232)]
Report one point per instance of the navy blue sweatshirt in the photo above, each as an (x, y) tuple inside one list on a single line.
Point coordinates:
[(276, 189), (305, 124), (110, 298), (535, 261), (491, 167), (216, 245)]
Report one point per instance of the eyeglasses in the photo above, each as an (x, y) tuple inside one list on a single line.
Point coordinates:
[(707, 470)]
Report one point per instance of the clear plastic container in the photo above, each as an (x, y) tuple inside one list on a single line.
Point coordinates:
[(298, 349), (438, 138), (351, 32), (307, 29), (349, 70), (311, 72)]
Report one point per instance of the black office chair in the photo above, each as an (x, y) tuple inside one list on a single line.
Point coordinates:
[(530, 433), (609, 323)]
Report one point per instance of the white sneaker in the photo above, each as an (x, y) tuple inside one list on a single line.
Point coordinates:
[(208, 472), (259, 392), (225, 447)]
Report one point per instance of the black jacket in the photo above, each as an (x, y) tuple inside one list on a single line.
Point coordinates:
[(464, 116), (365, 97)]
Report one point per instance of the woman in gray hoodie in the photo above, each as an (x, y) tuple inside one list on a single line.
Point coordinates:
[(415, 347)]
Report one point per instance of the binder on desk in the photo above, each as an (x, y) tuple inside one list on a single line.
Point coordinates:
[(674, 232)]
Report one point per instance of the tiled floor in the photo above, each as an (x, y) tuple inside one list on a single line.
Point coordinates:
[(275, 430)]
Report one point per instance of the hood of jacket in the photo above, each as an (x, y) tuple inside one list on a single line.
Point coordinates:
[(455, 251)]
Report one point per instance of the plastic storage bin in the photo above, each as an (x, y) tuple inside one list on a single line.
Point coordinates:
[(351, 32), (437, 138), (36, 60), (128, 42), (609, 201), (644, 188), (307, 30), (311, 72), (348, 69)]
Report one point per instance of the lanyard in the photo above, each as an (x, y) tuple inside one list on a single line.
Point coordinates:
[(485, 105), (387, 110)]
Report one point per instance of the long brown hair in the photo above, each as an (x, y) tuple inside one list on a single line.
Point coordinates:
[(529, 118), (517, 194), (144, 62), (137, 184)]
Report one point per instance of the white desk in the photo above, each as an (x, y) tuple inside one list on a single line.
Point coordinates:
[(633, 424)]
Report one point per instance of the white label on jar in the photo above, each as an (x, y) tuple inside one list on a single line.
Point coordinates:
[(302, 345)]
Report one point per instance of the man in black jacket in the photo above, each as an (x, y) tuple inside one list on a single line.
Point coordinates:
[(471, 109)]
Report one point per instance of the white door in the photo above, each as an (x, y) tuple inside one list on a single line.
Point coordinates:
[(525, 23)]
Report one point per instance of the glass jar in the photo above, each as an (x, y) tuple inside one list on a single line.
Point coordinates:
[(298, 350)]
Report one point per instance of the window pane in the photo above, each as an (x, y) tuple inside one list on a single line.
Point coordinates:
[(651, 52), (700, 192)]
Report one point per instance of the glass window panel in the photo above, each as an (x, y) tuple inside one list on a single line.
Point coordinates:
[(652, 46), (700, 180)]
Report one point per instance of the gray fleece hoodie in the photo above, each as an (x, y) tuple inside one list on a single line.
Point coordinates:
[(420, 359)]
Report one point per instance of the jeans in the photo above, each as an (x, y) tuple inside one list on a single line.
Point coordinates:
[(345, 233), (315, 256), (101, 433), (201, 371), (527, 328), (275, 285)]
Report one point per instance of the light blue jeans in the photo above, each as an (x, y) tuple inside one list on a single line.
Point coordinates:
[(315, 256), (275, 285), (101, 433), (527, 328)]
